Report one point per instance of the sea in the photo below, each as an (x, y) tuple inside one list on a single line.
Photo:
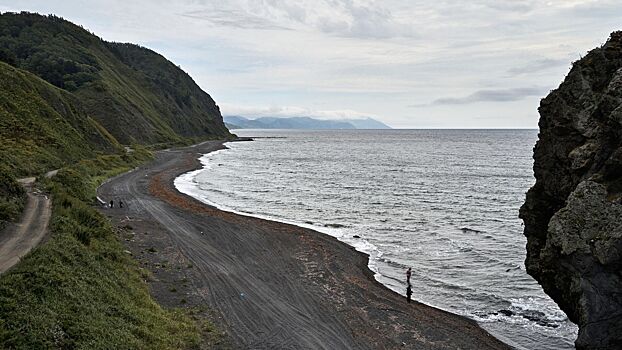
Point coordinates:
[(444, 202)]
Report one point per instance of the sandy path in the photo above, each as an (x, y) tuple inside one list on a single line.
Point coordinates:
[(17, 239), (274, 286)]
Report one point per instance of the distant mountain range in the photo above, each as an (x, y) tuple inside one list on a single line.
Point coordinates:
[(238, 122)]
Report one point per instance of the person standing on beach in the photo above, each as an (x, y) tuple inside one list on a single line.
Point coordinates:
[(409, 292), (408, 274), (111, 203)]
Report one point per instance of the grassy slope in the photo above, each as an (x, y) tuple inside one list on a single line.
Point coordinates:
[(189, 108), (12, 197), (135, 93), (80, 290), (43, 127)]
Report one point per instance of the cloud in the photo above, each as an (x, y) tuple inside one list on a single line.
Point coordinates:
[(510, 5), (598, 10), (291, 10), (345, 18), (501, 95), (365, 21), (290, 111), (233, 18), (337, 57), (539, 65)]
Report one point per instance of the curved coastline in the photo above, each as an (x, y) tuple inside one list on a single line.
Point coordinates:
[(185, 184), (302, 288)]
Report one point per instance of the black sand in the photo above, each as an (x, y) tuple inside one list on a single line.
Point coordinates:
[(268, 285)]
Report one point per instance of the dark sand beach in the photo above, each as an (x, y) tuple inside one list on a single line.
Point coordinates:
[(267, 285)]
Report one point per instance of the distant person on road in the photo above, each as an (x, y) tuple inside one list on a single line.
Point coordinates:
[(409, 292), (408, 274), (120, 204), (111, 203)]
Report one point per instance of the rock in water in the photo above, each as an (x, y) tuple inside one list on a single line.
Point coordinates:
[(573, 214)]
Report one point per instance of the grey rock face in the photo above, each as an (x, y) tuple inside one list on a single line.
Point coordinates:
[(573, 214)]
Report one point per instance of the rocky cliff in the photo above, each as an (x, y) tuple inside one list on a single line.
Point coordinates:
[(573, 214)]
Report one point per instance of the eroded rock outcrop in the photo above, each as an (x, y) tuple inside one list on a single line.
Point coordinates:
[(573, 214)]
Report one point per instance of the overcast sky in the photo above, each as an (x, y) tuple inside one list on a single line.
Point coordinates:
[(410, 64)]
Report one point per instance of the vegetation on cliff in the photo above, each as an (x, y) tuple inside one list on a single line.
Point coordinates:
[(71, 101), (41, 128), (135, 93), (67, 95), (12, 197), (80, 289)]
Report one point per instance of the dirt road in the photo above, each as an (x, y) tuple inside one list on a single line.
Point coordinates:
[(270, 285), (17, 239)]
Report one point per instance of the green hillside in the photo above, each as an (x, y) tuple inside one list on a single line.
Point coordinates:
[(135, 93), (43, 127), (78, 289), (68, 101), (67, 95)]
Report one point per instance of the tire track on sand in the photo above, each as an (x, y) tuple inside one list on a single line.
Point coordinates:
[(278, 286)]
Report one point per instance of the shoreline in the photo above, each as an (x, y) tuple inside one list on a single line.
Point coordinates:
[(300, 288), (301, 225)]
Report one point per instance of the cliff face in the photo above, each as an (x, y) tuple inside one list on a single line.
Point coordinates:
[(573, 214)]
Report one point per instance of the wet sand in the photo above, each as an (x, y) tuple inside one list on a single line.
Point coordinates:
[(267, 285)]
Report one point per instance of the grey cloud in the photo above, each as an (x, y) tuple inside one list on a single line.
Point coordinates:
[(510, 5), (502, 95), (600, 10), (349, 18), (373, 22), (539, 65), (234, 18), (292, 10)]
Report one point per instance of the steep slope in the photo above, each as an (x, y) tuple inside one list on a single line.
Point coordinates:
[(135, 93), (43, 127), (573, 214), (80, 288)]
